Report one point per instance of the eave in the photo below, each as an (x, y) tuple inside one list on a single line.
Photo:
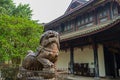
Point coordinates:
[(64, 16), (91, 30), (92, 4)]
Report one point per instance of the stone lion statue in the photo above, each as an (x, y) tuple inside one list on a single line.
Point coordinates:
[(47, 53)]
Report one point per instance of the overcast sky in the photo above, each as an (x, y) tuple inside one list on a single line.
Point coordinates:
[(46, 10)]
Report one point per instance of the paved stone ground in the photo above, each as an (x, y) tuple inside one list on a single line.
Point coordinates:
[(74, 77)]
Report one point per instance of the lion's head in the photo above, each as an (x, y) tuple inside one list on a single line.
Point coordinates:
[(50, 37)]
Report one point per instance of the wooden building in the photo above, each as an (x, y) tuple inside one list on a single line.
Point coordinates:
[(90, 38)]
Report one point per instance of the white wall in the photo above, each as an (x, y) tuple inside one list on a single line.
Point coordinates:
[(63, 59), (82, 55)]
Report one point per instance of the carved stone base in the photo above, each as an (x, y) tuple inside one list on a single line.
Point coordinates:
[(49, 73), (45, 74)]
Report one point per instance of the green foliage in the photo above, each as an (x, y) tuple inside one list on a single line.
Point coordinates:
[(9, 8), (17, 35), (23, 11), (6, 7)]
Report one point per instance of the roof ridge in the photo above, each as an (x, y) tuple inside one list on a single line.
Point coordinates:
[(79, 0), (79, 3)]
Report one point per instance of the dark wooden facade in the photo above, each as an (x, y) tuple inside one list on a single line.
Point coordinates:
[(95, 22)]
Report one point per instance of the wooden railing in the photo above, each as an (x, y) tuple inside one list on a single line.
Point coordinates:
[(67, 31), (83, 69)]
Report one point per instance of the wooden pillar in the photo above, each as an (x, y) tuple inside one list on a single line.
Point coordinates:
[(76, 26), (111, 11), (72, 60), (96, 17), (115, 65), (95, 49)]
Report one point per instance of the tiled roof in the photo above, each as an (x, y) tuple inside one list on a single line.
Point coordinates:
[(74, 4), (87, 31), (84, 1), (69, 13)]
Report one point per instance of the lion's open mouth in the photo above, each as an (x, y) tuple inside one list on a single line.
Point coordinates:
[(51, 35)]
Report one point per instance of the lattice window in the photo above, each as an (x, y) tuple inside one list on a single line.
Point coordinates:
[(115, 10)]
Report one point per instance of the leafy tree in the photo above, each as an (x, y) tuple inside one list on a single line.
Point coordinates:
[(9, 8), (17, 35), (6, 7), (23, 11)]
